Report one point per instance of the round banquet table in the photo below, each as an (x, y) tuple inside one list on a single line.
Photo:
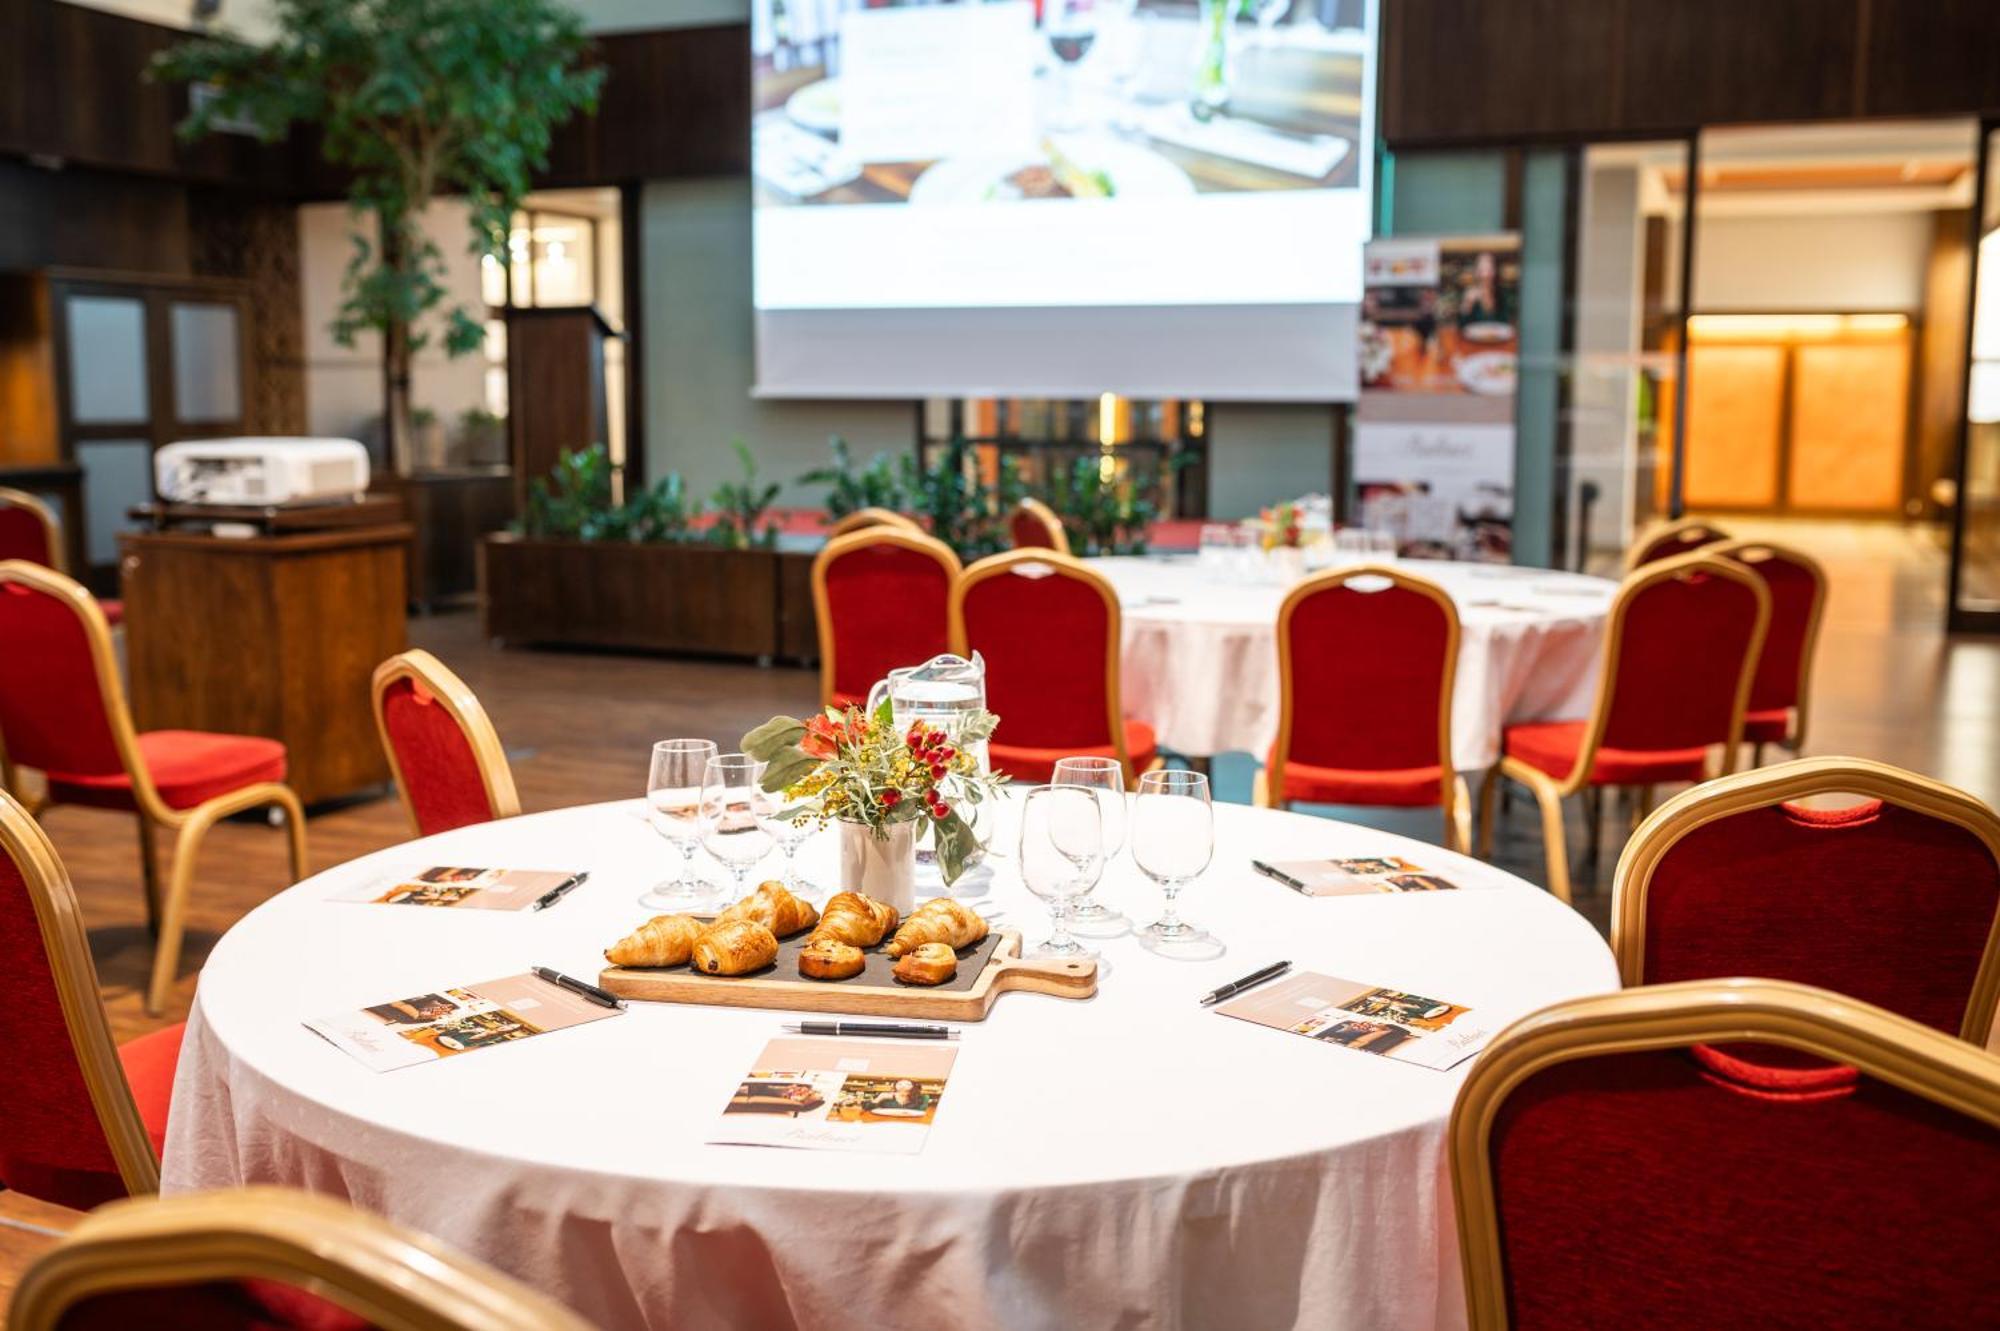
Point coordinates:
[(1129, 1160), (1201, 656)]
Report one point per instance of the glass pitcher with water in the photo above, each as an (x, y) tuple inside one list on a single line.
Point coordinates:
[(943, 693)]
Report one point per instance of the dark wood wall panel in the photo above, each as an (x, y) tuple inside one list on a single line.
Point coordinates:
[(75, 218), (1946, 63), (1446, 65), (1704, 62), (676, 103)]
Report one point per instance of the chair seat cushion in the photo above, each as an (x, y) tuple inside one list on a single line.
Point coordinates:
[(114, 612), (1551, 746), (187, 767), (1029, 764), (1413, 787), (1773, 725), (149, 1063)]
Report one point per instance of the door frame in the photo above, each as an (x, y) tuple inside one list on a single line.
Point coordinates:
[(1957, 618)]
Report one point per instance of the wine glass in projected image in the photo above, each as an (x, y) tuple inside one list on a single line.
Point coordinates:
[(1071, 29)]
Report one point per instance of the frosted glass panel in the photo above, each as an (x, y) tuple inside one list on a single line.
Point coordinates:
[(107, 360), (117, 473), (207, 366)]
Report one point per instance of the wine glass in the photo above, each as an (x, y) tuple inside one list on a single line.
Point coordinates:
[(1071, 28), (1062, 855), (789, 833), (1173, 840), (673, 803), (1268, 13), (1104, 778), (730, 786)]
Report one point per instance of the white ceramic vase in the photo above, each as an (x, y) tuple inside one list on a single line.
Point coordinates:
[(883, 867)]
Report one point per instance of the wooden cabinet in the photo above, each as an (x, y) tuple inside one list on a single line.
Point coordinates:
[(274, 635)]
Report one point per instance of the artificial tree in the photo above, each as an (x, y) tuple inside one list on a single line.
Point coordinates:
[(413, 99)]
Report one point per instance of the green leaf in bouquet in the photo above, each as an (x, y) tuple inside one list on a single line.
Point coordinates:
[(767, 741), (788, 768), (955, 844), (885, 713)]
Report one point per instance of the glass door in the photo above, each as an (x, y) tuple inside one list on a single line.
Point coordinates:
[(1975, 568)]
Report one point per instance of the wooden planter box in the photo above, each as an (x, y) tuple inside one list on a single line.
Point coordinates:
[(698, 599)]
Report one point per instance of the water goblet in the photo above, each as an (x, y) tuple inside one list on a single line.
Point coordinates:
[(1062, 854), (673, 807), (1173, 840), (731, 830), (790, 833), (1105, 779)]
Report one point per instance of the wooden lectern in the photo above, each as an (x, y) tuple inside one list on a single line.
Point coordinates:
[(555, 387)]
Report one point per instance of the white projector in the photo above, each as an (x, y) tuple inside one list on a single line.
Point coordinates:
[(260, 471)]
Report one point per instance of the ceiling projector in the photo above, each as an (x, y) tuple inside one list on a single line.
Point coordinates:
[(260, 471)]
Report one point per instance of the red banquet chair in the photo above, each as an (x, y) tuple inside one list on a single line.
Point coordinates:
[(1367, 727), (881, 595), (1894, 899), (1033, 525), (1680, 648), (266, 1259), (1050, 631), (62, 711), (1670, 540), (1778, 697), (443, 750), (28, 530), (1612, 1166), (873, 516)]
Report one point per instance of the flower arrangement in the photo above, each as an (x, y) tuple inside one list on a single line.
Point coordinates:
[(1281, 527), (843, 766)]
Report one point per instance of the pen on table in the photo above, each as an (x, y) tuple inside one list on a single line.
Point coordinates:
[(559, 891), (1250, 981), (1272, 871), (890, 1029), (601, 997)]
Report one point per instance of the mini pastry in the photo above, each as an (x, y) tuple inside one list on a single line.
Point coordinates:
[(939, 920), (774, 907), (664, 940), (824, 958), (851, 917), (927, 963), (735, 948)]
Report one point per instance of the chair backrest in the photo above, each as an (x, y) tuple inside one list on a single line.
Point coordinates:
[(1671, 539), (62, 706), (1680, 649), (28, 530), (446, 757), (881, 597), (1894, 900), (872, 516), (1797, 585), (1366, 661), (177, 1261), (1048, 628), (1033, 525), (69, 1132), (1612, 1167)]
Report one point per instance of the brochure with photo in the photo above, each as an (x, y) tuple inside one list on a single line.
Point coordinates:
[(1393, 1023), (448, 1022), (1360, 877), (838, 1095), (455, 885)]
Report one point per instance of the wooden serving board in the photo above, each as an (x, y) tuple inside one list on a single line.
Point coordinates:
[(986, 970)]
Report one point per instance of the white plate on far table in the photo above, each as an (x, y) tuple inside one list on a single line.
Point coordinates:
[(816, 107), (1134, 172)]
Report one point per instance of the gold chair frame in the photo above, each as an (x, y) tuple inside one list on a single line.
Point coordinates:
[(190, 826), (1654, 535), (463, 706), (1063, 566), (1752, 553), (1051, 524), (873, 516), (393, 1277), (1782, 784), (1454, 797), (67, 945), (1880, 1044), (51, 529), (1550, 792), (877, 534)]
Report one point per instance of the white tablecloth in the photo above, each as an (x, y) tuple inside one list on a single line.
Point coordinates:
[(1201, 656), (1133, 1160)]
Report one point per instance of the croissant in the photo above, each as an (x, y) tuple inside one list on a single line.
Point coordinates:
[(939, 920), (853, 918), (774, 907), (825, 958), (663, 940), (927, 963), (735, 948)]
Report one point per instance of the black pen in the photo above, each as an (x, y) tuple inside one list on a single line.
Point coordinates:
[(1250, 981), (1272, 871), (873, 1028), (556, 893), (601, 997)]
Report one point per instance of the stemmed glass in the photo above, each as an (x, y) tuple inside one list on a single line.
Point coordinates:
[(789, 834), (1173, 840), (731, 785), (1104, 778), (1269, 13), (1062, 855), (673, 802), (1071, 28)]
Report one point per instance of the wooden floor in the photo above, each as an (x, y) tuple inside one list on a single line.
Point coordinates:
[(579, 728)]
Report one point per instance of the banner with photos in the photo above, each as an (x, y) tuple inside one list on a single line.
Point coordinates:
[(1434, 441)]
